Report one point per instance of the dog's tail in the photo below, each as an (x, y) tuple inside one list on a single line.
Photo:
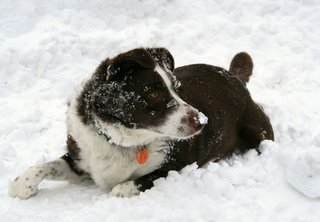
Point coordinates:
[(241, 66)]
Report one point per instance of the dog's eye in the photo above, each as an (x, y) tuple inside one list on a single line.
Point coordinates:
[(154, 95)]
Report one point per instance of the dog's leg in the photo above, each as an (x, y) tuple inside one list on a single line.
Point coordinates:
[(256, 127), (134, 187), (27, 184)]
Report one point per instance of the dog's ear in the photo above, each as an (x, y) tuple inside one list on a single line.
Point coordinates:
[(126, 62), (163, 57)]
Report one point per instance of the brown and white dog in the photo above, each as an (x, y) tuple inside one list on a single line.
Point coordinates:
[(137, 118)]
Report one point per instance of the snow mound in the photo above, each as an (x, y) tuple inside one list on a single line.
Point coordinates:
[(304, 173)]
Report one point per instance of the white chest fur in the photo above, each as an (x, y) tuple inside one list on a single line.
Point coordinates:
[(110, 164)]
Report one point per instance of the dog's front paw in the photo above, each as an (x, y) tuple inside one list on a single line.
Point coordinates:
[(22, 188), (127, 189), (26, 185)]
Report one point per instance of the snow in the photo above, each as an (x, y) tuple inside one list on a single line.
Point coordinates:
[(203, 119), (304, 173), (48, 47)]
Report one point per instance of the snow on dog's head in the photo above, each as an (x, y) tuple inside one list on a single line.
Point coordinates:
[(132, 99)]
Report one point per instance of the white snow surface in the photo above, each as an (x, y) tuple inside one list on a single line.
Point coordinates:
[(48, 47)]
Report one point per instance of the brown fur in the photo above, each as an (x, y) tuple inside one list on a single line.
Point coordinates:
[(241, 66)]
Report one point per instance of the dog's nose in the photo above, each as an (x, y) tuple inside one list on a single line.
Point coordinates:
[(194, 121)]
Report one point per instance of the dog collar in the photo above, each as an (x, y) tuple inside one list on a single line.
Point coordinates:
[(141, 151), (142, 154), (108, 138)]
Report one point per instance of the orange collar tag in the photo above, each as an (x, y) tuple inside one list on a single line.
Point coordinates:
[(142, 155)]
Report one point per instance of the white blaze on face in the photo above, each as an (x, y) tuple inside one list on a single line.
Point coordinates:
[(168, 83), (177, 125)]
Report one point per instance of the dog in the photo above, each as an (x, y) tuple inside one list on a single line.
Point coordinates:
[(138, 117)]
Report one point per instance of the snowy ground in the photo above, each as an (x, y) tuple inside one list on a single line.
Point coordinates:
[(48, 47)]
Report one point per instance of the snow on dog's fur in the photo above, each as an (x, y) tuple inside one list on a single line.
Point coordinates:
[(137, 101)]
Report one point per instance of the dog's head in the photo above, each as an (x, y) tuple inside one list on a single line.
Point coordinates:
[(132, 99)]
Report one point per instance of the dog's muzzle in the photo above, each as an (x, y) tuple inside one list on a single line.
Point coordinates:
[(195, 122)]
